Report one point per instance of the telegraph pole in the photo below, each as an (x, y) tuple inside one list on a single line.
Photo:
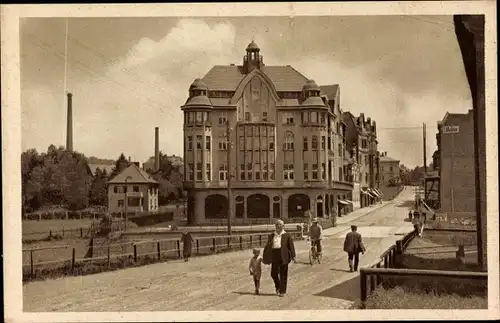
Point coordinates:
[(229, 179), (425, 162)]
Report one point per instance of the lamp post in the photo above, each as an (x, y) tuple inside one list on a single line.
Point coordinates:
[(229, 179), (126, 202)]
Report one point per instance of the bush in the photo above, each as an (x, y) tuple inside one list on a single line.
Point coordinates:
[(404, 298)]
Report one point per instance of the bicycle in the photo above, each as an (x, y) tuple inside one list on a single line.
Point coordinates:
[(314, 254)]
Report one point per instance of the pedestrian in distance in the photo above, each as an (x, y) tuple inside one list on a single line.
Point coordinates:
[(353, 245), (187, 244), (279, 252), (255, 268)]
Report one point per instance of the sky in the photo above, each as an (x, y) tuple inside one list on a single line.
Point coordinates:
[(129, 75)]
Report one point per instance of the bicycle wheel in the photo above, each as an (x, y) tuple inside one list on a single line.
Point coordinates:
[(311, 256)]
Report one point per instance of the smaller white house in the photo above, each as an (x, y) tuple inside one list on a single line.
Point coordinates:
[(132, 190), (389, 169)]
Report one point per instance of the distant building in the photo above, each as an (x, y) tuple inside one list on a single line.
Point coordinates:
[(139, 188), (362, 145), (102, 167), (389, 169), (175, 160), (287, 144), (456, 163)]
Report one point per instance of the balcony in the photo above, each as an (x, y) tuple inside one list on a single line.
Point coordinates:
[(135, 194)]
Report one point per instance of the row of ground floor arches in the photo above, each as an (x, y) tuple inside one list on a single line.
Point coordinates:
[(204, 206)]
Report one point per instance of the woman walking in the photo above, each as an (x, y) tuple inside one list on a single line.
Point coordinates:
[(187, 244)]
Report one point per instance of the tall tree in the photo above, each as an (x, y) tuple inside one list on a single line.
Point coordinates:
[(98, 192), (120, 165)]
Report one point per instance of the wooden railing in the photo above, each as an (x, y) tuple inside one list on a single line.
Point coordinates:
[(160, 249), (389, 259), (377, 273)]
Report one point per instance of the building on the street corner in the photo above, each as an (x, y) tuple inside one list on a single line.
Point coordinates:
[(362, 145), (389, 170), (136, 187), (455, 163), (286, 140)]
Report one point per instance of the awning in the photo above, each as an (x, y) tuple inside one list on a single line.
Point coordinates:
[(364, 192), (379, 193), (343, 202), (350, 202), (371, 194), (374, 192)]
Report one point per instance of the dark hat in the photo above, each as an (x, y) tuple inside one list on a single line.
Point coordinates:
[(354, 227)]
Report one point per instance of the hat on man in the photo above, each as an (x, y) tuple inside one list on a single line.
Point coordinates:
[(315, 220), (280, 222)]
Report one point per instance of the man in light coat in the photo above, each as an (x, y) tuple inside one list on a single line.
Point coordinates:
[(278, 252), (353, 245)]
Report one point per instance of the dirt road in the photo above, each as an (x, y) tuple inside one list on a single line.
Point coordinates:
[(222, 282)]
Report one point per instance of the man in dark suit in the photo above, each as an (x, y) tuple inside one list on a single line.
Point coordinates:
[(353, 245), (279, 251)]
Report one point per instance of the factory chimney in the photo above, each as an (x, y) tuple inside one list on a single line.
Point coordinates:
[(157, 149), (69, 124)]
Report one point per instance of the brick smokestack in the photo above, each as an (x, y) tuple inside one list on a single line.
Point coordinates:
[(69, 124), (157, 149)]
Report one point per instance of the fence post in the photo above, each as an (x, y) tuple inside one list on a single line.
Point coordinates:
[(241, 242), (135, 253), (251, 242), (109, 256), (158, 250), (228, 242), (197, 246), (362, 278), (377, 277), (50, 233), (63, 232), (73, 260), (399, 253), (214, 245), (372, 282), (81, 232), (178, 248), (31, 262), (260, 240)]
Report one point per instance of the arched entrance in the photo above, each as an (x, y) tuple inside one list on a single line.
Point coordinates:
[(258, 206), (298, 204), (240, 206), (216, 207)]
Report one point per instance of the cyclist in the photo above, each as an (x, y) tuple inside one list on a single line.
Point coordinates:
[(316, 234)]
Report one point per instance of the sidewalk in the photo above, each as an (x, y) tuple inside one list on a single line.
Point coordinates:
[(361, 212)]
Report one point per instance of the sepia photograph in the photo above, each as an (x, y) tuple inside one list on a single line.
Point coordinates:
[(296, 161)]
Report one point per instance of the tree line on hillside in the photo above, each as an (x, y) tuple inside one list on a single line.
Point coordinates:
[(412, 176), (60, 178)]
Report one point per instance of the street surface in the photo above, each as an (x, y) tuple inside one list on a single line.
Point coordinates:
[(222, 282)]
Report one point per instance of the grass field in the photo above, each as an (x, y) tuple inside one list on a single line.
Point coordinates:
[(401, 298), (34, 226)]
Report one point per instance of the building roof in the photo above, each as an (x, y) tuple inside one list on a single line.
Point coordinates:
[(387, 159), (329, 90), (135, 175), (106, 167), (228, 77)]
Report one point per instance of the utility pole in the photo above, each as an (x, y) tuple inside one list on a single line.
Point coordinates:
[(425, 162), (229, 178)]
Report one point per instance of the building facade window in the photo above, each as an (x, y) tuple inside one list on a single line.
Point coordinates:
[(315, 171), (120, 203), (288, 172), (199, 142), (306, 171), (135, 189), (207, 143), (305, 140), (314, 142), (247, 116), (222, 118), (323, 171), (191, 172), (242, 172), (249, 171), (288, 118), (223, 172), (199, 170), (257, 171), (264, 116), (190, 142), (208, 172), (288, 144), (271, 143), (223, 144), (323, 142)]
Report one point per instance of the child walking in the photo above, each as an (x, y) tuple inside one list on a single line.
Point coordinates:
[(255, 268)]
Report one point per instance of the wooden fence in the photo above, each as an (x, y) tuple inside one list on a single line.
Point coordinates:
[(105, 254)]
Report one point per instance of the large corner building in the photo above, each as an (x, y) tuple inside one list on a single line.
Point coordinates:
[(286, 140)]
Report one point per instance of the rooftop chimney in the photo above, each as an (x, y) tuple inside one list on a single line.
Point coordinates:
[(69, 124), (157, 149)]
